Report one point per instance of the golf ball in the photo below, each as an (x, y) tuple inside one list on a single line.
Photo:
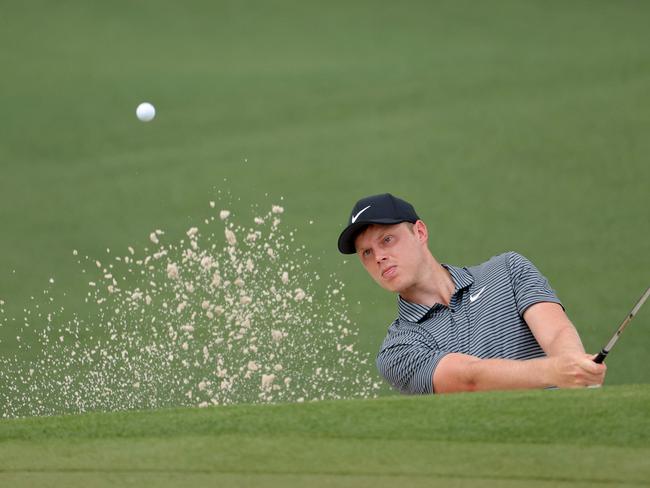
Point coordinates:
[(145, 112)]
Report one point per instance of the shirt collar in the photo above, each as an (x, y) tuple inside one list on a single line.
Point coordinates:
[(414, 312)]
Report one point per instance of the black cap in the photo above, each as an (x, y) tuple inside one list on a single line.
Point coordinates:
[(376, 209)]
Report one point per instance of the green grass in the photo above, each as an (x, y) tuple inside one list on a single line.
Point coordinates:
[(511, 125), (537, 438)]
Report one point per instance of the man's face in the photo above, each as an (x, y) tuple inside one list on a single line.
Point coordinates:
[(393, 254)]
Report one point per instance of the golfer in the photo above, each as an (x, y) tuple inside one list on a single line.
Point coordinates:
[(495, 326)]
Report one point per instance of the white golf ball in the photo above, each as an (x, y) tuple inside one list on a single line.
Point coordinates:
[(145, 112)]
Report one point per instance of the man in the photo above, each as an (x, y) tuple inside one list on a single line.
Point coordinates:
[(495, 326)]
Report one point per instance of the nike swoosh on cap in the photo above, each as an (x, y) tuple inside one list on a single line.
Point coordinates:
[(355, 217)]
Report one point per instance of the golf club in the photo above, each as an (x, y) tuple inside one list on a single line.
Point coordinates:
[(605, 350)]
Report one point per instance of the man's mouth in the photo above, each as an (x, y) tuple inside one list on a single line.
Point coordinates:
[(389, 272)]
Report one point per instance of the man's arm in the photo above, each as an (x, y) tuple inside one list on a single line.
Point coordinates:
[(566, 367), (553, 330), (461, 372)]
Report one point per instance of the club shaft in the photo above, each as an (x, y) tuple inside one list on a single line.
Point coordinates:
[(605, 350)]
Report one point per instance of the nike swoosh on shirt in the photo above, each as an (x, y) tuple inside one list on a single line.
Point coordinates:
[(475, 297), (355, 217)]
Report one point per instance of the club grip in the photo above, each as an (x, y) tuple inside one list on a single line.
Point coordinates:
[(600, 357)]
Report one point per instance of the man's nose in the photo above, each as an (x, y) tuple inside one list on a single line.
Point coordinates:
[(380, 256)]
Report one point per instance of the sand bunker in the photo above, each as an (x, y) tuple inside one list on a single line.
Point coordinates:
[(231, 313)]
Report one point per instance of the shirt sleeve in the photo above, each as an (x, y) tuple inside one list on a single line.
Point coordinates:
[(529, 285), (407, 362)]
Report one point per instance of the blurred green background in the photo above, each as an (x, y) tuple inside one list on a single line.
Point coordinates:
[(510, 125)]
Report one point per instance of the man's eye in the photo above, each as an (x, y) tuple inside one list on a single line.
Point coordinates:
[(388, 239), (366, 252)]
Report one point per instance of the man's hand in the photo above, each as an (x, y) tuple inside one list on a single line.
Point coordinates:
[(575, 371)]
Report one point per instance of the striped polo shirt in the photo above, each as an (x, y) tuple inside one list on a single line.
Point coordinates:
[(484, 319)]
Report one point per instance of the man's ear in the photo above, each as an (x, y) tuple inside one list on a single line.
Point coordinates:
[(421, 231)]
